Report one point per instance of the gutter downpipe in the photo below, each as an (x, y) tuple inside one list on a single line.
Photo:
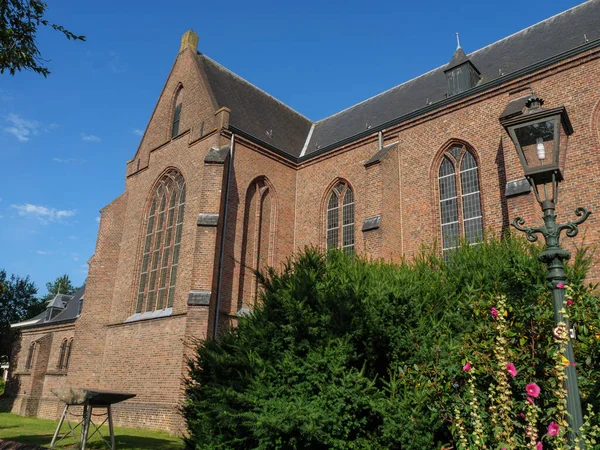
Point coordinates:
[(223, 239)]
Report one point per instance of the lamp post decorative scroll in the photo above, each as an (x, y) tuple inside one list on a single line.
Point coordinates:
[(540, 138)]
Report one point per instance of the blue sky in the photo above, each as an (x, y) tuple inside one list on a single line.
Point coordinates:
[(64, 140)]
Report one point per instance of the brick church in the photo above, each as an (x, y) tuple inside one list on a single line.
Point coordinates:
[(228, 179)]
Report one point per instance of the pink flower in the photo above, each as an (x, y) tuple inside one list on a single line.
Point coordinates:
[(522, 415), (569, 302), (533, 390), (539, 446), (494, 313), (467, 367), (510, 367), (530, 400), (561, 285), (553, 429)]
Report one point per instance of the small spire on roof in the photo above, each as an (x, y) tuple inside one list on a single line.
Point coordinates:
[(457, 41)]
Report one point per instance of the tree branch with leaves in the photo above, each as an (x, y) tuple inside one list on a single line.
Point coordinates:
[(19, 23)]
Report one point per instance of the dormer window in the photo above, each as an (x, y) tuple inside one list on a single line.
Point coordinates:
[(461, 74)]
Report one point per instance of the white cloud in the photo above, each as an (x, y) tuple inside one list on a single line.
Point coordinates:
[(75, 256), (64, 161), (98, 219), (42, 212), (89, 138), (21, 128), (44, 252), (137, 132)]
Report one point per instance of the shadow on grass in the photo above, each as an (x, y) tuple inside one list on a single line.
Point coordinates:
[(123, 441)]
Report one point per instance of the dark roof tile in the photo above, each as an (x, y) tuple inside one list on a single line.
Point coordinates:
[(254, 111)]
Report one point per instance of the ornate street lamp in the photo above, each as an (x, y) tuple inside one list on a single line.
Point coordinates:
[(540, 136)]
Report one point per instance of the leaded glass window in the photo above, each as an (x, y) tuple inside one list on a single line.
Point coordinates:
[(161, 247), (471, 199), (458, 179), (448, 205), (340, 230)]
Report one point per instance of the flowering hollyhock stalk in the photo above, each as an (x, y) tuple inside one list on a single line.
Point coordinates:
[(459, 425), (531, 416), (501, 403), (478, 433), (591, 429), (561, 338)]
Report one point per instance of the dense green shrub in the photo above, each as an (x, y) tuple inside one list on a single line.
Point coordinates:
[(349, 353)]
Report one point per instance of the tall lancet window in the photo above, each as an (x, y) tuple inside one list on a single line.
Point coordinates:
[(460, 198), (258, 243), (164, 225), (177, 113), (340, 218)]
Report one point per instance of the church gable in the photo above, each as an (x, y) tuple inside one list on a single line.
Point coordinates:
[(185, 109)]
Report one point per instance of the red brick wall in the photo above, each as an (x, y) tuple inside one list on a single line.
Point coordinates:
[(410, 209), (34, 385), (146, 357), (250, 164)]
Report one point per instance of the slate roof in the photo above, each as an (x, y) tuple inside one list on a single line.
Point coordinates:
[(537, 43), (271, 122), (70, 303), (254, 111)]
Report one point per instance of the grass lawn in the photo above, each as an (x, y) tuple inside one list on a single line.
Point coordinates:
[(30, 430)]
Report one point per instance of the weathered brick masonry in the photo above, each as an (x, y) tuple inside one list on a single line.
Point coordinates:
[(258, 180)]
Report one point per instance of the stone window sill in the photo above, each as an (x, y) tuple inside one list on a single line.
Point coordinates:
[(57, 372), (150, 315)]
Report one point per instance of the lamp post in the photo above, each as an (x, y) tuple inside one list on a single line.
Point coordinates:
[(540, 136)]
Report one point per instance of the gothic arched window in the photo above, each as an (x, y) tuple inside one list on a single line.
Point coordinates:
[(460, 198), (177, 113), (340, 218), (258, 244), (162, 243)]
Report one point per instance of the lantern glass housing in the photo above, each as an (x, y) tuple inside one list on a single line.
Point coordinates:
[(540, 136)]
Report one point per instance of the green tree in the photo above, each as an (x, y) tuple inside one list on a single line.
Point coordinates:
[(19, 23), (349, 353), (17, 303), (62, 285)]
